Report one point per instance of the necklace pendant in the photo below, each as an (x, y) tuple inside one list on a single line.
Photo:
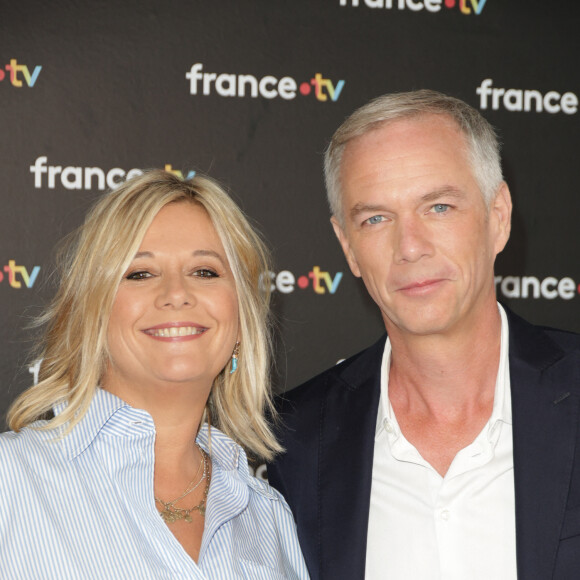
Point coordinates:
[(168, 517), (171, 513)]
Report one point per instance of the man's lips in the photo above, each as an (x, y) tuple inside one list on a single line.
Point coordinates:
[(421, 286), (175, 331)]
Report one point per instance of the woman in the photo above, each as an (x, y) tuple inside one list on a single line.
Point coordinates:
[(158, 331)]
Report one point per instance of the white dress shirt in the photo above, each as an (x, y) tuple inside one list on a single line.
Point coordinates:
[(459, 527)]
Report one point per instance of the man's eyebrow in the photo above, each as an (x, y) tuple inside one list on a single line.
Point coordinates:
[(360, 207), (447, 190)]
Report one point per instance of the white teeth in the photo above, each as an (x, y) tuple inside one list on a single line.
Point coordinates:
[(174, 331)]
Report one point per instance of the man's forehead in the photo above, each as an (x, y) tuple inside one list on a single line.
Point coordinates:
[(390, 129), (419, 157), (426, 139)]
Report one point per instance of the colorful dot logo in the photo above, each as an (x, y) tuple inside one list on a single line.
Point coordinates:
[(267, 87), (286, 282), (14, 70), (19, 274), (465, 6)]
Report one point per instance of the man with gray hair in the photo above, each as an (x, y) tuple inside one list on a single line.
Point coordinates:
[(449, 449)]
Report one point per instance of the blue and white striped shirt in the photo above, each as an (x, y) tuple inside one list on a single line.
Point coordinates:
[(83, 507)]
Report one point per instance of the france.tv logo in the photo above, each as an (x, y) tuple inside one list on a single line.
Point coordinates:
[(286, 281), (13, 71), (465, 6), (267, 87), (17, 275)]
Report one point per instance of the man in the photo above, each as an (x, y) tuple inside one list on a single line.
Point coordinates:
[(448, 450)]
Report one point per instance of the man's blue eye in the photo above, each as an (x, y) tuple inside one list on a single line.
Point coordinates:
[(376, 219), (440, 207)]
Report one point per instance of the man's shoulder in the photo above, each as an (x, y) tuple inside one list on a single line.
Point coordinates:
[(566, 339), (327, 409), (344, 375), (541, 343)]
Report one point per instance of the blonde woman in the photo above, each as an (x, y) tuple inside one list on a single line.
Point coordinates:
[(128, 458)]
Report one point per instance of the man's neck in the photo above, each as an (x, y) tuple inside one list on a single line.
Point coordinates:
[(448, 368), (441, 387)]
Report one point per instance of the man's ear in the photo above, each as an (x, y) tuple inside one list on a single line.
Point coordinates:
[(501, 214), (348, 253)]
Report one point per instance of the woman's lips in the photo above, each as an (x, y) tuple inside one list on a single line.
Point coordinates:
[(175, 331)]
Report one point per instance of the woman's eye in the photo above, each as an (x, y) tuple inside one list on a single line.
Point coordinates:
[(205, 273), (440, 207), (140, 275), (376, 219)]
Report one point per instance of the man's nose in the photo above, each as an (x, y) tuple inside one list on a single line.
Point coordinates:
[(412, 239)]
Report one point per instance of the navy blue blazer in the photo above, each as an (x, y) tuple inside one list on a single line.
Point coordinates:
[(328, 430)]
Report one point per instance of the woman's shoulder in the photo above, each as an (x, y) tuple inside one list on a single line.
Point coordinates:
[(30, 446), (266, 499), (264, 489), (268, 506), (231, 457), (27, 436)]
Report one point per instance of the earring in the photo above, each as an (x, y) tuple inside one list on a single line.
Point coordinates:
[(235, 358)]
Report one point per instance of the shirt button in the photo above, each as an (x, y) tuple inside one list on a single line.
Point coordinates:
[(445, 515), (388, 427)]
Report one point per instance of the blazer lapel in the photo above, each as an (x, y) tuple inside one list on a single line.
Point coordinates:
[(545, 401), (346, 458)]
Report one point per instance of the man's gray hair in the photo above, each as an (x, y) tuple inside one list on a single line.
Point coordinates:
[(482, 141)]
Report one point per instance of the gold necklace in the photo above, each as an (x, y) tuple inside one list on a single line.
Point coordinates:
[(171, 513)]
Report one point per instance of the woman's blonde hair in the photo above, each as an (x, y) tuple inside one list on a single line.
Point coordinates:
[(74, 348)]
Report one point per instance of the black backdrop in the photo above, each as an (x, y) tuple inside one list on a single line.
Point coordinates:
[(100, 87)]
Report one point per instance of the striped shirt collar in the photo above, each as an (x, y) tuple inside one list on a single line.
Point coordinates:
[(108, 413), (102, 408)]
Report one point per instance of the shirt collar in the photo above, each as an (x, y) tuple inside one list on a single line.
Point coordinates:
[(102, 409), (221, 448), (386, 416), (231, 458), (502, 404), (105, 406), (108, 413)]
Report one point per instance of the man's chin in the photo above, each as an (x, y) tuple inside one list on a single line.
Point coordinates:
[(419, 324)]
